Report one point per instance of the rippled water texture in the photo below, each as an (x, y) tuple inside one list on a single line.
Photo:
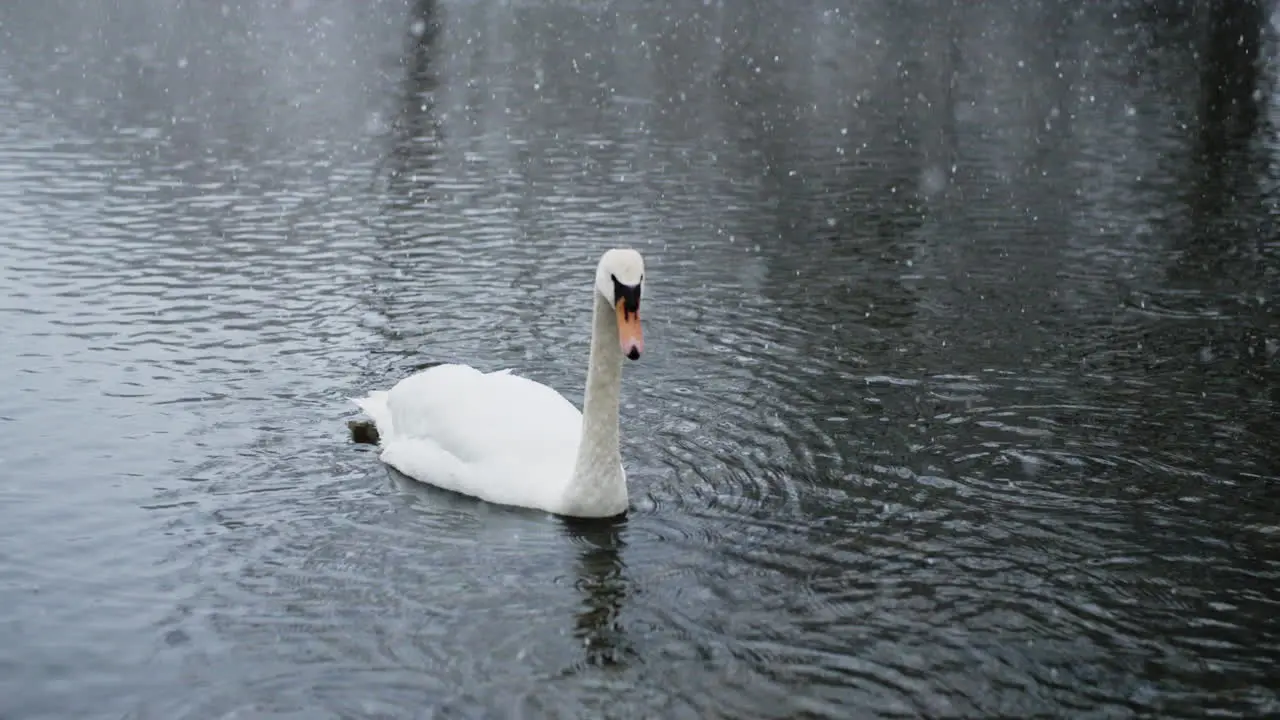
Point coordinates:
[(960, 397)]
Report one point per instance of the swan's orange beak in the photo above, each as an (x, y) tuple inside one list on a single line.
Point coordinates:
[(629, 333)]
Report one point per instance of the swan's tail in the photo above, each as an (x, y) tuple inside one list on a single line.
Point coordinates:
[(375, 406)]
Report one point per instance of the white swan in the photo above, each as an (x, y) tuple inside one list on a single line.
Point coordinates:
[(511, 441)]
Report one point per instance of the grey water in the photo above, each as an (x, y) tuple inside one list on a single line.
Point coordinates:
[(960, 396)]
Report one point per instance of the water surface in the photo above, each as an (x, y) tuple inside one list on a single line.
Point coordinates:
[(960, 393)]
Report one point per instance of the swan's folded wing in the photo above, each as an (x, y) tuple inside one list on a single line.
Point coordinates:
[(476, 417)]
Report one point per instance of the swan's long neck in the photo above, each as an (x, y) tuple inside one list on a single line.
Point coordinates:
[(599, 486)]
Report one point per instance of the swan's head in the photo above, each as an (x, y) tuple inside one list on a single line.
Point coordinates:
[(619, 279)]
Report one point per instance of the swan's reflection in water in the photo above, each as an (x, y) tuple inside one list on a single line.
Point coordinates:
[(602, 581), (599, 570)]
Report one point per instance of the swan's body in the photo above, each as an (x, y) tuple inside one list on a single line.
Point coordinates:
[(509, 440)]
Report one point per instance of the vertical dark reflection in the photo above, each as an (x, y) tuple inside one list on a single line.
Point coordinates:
[(1043, 235), (1230, 74), (1207, 344), (1231, 218), (416, 131), (604, 588), (836, 173), (405, 177), (834, 120), (1226, 165)]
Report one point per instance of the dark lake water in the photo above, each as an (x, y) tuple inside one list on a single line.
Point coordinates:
[(961, 394)]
